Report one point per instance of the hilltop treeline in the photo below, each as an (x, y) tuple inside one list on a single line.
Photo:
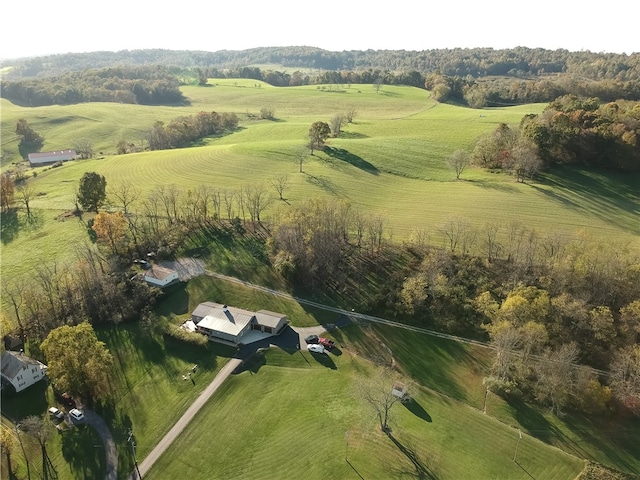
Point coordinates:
[(476, 62), (479, 77), (149, 85)]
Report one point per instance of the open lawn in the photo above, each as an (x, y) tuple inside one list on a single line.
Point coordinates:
[(294, 415), (457, 369)]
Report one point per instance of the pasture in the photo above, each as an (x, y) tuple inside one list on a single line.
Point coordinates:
[(293, 414), (390, 162)]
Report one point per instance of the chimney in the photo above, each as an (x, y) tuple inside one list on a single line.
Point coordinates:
[(227, 313)]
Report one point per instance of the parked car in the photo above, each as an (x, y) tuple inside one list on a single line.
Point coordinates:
[(315, 348), (76, 415), (312, 339), (326, 343), (54, 412)]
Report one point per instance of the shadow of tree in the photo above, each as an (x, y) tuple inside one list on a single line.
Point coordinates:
[(348, 157), (421, 471), (9, 226), (82, 450)]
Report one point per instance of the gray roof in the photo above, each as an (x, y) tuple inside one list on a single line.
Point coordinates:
[(270, 319), (13, 363), (229, 320), (203, 309), (158, 272)]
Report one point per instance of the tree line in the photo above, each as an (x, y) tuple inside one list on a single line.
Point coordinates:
[(476, 62), (150, 85), (182, 131)]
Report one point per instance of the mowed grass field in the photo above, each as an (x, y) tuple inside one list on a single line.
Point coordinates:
[(295, 415), (390, 162)]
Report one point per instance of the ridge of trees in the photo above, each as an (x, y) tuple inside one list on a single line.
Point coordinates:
[(145, 85), (478, 76)]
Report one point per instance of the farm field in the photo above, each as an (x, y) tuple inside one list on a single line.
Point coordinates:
[(292, 412), (390, 162)]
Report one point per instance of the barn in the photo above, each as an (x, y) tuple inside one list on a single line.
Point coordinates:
[(48, 158)]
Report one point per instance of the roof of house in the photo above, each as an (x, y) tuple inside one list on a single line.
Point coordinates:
[(229, 320), (56, 153), (269, 319), (158, 272), (13, 363), (203, 309)]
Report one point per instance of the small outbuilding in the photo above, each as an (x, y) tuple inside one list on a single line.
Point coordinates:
[(47, 158), (161, 277), (21, 371)]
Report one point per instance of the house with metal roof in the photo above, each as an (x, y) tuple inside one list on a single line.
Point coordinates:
[(20, 371), (236, 326)]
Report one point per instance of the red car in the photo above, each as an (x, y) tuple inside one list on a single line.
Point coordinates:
[(326, 343)]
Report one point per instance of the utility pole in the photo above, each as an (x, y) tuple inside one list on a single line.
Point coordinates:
[(515, 455), (132, 441)]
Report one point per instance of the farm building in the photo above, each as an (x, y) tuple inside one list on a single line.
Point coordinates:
[(47, 158), (158, 276), (234, 325), (20, 370)]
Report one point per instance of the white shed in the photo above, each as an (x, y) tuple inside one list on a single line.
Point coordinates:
[(158, 276)]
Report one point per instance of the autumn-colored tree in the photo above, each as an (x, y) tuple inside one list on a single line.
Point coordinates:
[(77, 361), (110, 229)]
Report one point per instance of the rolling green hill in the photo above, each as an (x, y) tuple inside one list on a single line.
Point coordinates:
[(389, 162)]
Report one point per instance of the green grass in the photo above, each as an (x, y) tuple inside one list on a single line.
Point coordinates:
[(287, 418), (457, 369), (389, 162)]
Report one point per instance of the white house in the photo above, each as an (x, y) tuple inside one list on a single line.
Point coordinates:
[(46, 158), (235, 325), (158, 276), (20, 370)]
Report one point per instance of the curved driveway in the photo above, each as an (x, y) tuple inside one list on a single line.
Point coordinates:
[(111, 454)]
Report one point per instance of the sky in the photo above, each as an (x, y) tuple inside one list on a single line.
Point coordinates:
[(42, 27)]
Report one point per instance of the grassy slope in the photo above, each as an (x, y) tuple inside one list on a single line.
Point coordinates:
[(456, 370), (390, 162), (288, 417)]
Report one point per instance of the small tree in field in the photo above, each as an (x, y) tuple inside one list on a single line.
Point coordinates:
[(458, 162), (318, 133), (93, 191)]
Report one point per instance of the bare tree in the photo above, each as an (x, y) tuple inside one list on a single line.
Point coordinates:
[(491, 244), (228, 197), (257, 201), (458, 161), (25, 195), (302, 155), (280, 183), (526, 162), (83, 147), (458, 232), (126, 193), (337, 122), (377, 391), (350, 114), (555, 374), (169, 196)]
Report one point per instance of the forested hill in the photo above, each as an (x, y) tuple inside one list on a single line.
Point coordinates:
[(476, 62)]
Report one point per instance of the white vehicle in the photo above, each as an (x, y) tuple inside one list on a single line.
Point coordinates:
[(315, 348), (54, 412), (76, 415)]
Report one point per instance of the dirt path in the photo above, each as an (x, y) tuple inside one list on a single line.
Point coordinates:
[(181, 424)]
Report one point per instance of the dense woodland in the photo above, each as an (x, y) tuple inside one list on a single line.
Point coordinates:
[(477, 77)]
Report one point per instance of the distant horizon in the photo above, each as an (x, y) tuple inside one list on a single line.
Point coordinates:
[(68, 26), (3, 59)]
